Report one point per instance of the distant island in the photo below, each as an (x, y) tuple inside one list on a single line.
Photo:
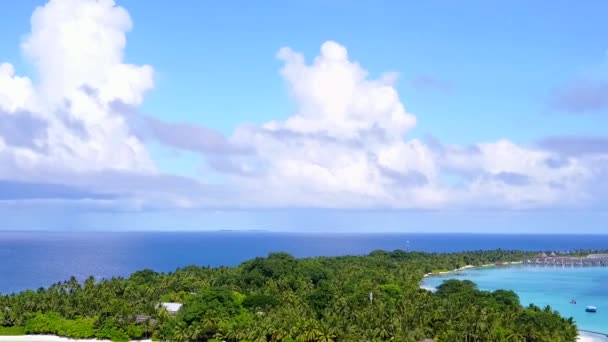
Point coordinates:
[(279, 298)]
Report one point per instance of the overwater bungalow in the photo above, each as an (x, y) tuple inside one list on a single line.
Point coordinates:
[(590, 260)]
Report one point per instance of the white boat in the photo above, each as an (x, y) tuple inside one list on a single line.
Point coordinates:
[(591, 309)]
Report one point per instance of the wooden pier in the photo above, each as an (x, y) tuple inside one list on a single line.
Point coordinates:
[(565, 261)]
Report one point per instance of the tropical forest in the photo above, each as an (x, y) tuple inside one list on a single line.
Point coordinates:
[(280, 298)]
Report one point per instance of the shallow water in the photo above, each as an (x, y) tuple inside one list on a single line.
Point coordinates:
[(548, 286)]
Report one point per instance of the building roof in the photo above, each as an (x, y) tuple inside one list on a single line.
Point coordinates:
[(141, 318), (171, 307)]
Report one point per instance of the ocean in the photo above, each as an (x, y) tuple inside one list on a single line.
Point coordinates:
[(37, 259)]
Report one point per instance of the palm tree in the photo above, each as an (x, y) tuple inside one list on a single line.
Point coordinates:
[(516, 336), (326, 333), (195, 332), (180, 333)]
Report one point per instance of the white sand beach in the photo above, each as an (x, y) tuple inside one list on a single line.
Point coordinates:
[(583, 337), (448, 272), (588, 337), (47, 338)]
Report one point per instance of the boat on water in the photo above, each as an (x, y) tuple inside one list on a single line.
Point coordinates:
[(591, 309)]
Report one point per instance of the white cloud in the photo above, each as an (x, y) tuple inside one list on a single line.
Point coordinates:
[(335, 97), (15, 92), (503, 174), (345, 146), (77, 49)]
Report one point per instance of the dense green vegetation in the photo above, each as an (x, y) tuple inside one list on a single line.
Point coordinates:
[(279, 298)]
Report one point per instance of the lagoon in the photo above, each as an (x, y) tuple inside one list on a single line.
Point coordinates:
[(554, 286)]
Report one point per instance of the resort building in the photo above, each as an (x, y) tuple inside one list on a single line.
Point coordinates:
[(172, 308), (597, 256), (589, 260)]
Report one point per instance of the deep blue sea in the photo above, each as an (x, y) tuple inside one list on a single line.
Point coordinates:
[(35, 259)]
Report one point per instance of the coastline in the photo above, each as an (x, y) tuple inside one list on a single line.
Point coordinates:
[(584, 336), (441, 273), (51, 338)]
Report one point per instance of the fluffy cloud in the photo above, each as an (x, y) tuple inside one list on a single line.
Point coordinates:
[(65, 120), (347, 146), (344, 146), (76, 134)]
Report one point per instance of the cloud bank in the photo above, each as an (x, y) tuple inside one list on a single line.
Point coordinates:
[(77, 131), (347, 146)]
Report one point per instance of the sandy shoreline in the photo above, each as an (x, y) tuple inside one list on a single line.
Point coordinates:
[(589, 337), (583, 337), (432, 274), (48, 338)]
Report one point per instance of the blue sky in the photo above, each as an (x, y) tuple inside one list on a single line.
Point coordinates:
[(152, 115)]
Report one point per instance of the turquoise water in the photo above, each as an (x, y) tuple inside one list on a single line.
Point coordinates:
[(548, 286)]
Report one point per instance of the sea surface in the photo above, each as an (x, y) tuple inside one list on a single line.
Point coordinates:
[(542, 286), (38, 259)]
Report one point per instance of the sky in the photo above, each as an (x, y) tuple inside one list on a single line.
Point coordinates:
[(345, 116)]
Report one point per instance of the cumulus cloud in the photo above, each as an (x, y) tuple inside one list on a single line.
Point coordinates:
[(23, 130), (344, 146), (76, 133), (75, 46), (581, 96), (347, 146)]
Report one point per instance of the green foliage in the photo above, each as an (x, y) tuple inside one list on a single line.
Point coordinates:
[(391, 290), (53, 323), (143, 277), (453, 286), (505, 297), (112, 333), (210, 303), (260, 302), (12, 331), (320, 298), (284, 299)]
